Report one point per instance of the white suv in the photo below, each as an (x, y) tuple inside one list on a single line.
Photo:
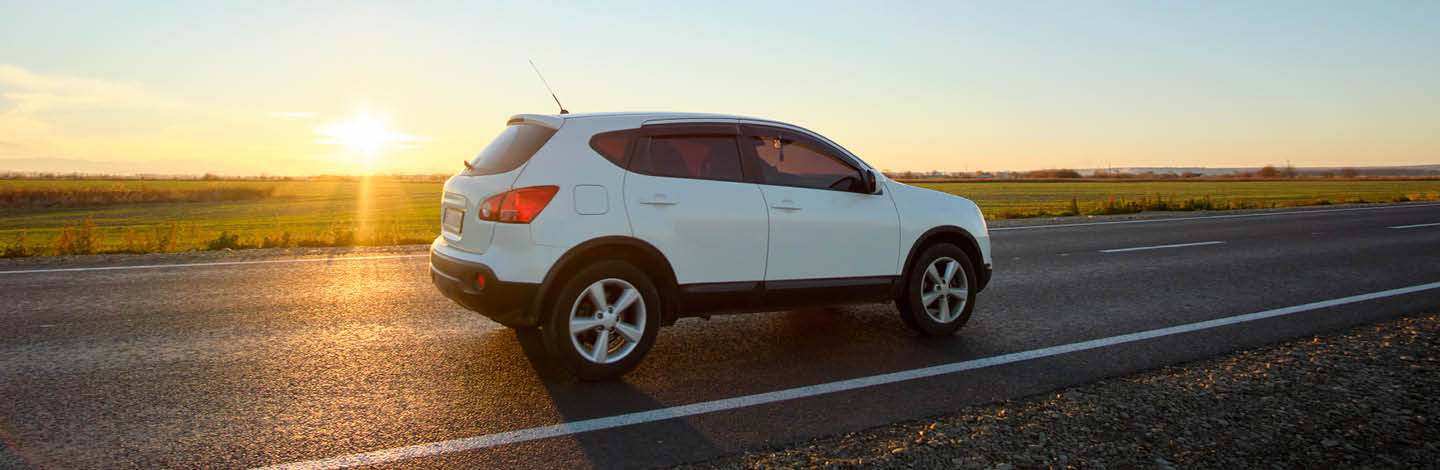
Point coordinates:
[(600, 228)]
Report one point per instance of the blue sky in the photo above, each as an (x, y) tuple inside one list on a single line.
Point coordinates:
[(932, 85)]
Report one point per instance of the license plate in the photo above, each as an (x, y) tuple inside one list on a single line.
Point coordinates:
[(453, 220)]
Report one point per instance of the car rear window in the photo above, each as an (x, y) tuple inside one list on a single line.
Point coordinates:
[(512, 148), (703, 157)]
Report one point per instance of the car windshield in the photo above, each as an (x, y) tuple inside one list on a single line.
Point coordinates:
[(512, 148)]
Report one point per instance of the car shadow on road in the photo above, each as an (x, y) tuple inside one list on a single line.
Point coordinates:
[(640, 445)]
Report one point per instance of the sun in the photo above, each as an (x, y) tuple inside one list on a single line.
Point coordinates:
[(364, 137)]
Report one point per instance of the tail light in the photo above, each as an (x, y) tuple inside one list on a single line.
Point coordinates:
[(517, 206)]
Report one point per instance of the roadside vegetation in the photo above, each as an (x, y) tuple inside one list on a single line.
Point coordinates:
[(48, 197), (332, 211), (1267, 172), (83, 215), (1020, 199)]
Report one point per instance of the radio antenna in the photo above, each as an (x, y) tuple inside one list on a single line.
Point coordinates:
[(547, 86)]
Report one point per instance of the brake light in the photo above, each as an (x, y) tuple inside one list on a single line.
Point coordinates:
[(517, 206)]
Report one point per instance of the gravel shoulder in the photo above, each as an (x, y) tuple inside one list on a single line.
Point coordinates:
[(1361, 398)]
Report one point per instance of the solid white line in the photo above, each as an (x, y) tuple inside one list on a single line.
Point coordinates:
[(1416, 225), (564, 429), (1230, 216), (220, 263), (1156, 247)]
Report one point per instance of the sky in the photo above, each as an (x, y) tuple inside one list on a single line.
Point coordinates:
[(355, 87)]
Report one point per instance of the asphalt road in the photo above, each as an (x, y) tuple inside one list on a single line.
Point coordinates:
[(250, 365)]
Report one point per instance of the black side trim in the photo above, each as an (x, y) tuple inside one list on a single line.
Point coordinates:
[(839, 282), (725, 297), (720, 287), (832, 291), (719, 297)]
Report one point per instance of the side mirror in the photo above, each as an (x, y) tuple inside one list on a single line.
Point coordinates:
[(870, 184)]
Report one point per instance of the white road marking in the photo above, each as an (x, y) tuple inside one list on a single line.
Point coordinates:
[(1416, 225), (1156, 247), (564, 429), (1231, 216), (219, 263)]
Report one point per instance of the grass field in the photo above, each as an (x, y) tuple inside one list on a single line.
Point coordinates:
[(384, 211), (313, 213), (1003, 200)]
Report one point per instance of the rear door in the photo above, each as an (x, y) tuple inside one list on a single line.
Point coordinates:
[(822, 224), (686, 195)]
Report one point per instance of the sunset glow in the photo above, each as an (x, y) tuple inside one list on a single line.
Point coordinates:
[(364, 138), (949, 86)]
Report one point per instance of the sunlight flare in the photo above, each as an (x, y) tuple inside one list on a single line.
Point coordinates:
[(365, 138)]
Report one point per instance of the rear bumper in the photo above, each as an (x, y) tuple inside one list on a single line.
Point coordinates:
[(505, 302), (985, 273)]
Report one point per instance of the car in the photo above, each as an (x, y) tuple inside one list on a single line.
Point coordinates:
[(594, 230)]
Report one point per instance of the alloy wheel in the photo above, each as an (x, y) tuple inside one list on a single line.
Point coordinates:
[(944, 290), (607, 321)]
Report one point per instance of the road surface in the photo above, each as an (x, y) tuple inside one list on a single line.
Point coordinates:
[(327, 364)]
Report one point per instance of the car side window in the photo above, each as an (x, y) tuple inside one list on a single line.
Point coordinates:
[(612, 146), (786, 161), (702, 157)]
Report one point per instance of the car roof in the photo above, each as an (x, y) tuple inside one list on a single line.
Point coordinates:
[(655, 115), (554, 121)]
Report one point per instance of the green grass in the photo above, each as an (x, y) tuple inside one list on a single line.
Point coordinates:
[(386, 211), (1002, 200), (315, 213)]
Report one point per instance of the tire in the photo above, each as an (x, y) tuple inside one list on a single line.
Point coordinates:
[(941, 317), (628, 332)]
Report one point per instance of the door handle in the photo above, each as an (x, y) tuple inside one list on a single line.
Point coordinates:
[(658, 199), (786, 205)]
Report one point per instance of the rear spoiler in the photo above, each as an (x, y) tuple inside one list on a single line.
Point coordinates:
[(541, 119)]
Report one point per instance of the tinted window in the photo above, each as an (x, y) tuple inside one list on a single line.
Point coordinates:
[(714, 158), (788, 162), (513, 147), (612, 146)]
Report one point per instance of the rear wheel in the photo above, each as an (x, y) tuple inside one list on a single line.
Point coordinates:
[(604, 321), (939, 293)]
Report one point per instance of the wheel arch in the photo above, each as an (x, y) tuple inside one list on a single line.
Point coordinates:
[(644, 255), (944, 234)]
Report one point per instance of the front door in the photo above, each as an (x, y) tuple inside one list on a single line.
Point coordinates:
[(822, 224)]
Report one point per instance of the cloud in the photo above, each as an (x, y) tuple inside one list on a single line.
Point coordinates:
[(34, 92), (43, 111), (292, 115)]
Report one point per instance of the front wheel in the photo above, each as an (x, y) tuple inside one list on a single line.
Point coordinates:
[(604, 321), (939, 293)]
